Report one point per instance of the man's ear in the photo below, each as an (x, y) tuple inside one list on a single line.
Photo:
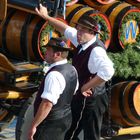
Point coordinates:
[(57, 54)]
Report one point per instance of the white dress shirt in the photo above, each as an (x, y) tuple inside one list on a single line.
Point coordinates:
[(99, 62), (54, 84)]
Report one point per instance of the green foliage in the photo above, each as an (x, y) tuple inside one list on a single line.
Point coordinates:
[(45, 33), (127, 63)]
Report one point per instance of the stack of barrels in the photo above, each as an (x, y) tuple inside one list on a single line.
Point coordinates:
[(125, 21)]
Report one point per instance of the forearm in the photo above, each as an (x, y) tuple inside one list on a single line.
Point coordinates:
[(94, 82), (58, 25), (43, 111)]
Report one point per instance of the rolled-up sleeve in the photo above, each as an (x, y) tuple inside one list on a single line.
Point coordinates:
[(100, 63), (71, 34), (53, 87)]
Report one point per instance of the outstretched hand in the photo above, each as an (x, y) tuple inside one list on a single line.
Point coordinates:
[(42, 11)]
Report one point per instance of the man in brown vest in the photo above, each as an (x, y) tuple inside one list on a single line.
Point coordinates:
[(52, 108), (94, 69)]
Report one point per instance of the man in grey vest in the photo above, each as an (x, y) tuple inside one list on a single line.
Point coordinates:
[(52, 107), (94, 69)]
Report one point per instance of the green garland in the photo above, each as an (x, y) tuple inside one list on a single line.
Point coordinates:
[(44, 33), (126, 63), (133, 16), (104, 30)]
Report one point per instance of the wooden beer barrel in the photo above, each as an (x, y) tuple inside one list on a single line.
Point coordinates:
[(46, 32), (125, 24), (71, 2), (91, 2), (20, 33), (134, 2), (78, 11), (3, 10), (23, 5), (14, 33), (70, 11), (125, 103), (11, 32)]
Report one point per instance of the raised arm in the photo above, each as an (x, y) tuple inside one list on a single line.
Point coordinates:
[(43, 12)]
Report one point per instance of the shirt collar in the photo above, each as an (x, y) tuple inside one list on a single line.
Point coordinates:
[(58, 63), (86, 45)]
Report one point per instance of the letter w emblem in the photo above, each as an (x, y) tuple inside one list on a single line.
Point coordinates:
[(131, 30)]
